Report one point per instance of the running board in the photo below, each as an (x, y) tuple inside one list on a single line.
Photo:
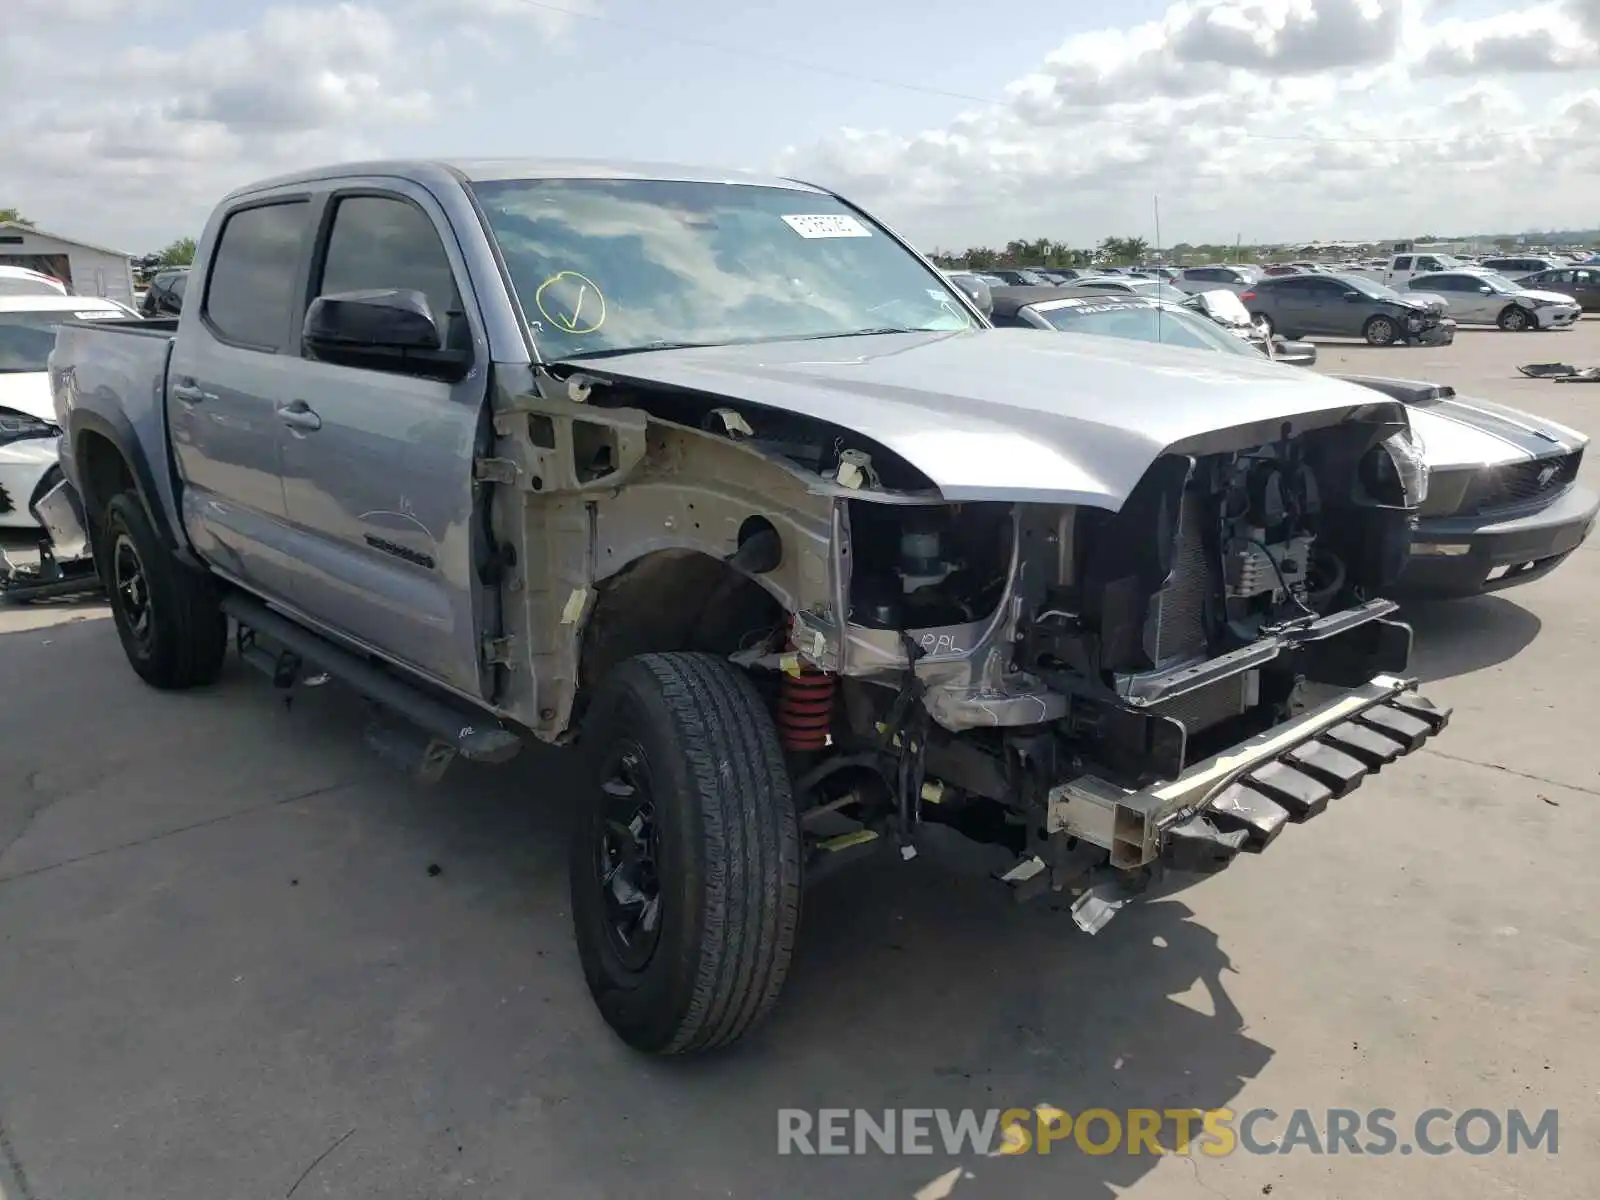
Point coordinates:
[(443, 727)]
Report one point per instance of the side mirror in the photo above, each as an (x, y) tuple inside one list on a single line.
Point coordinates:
[(1486, 290), (1351, 297), (977, 291), (383, 329)]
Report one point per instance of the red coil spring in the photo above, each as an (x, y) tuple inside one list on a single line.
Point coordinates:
[(805, 709)]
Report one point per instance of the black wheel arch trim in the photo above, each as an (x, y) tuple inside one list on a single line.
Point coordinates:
[(118, 430)]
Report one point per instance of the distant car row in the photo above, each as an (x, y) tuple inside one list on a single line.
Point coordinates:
[(1568, 282)]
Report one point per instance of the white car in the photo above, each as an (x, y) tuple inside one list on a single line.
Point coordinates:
[(1479, 297), (27, 414), (24, 281), (1235, 279), (1155, 289)]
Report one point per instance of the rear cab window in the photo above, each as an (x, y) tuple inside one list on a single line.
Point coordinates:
[(250, 287)]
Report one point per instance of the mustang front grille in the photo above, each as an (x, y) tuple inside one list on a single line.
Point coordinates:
[(1517, 484)]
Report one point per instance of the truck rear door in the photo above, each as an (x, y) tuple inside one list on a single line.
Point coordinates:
[(378, 456), (222, 385)]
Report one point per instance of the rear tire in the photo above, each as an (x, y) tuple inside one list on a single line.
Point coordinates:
[(168, 617), (685, 859), (1380, 331), (1516, 319)]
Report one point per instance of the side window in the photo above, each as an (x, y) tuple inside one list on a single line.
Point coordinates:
[(1589, 278), (383, 242), (253, 268), (1402, 263), (1429, 264)]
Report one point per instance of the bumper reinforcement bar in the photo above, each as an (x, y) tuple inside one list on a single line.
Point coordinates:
[(1242, 799)]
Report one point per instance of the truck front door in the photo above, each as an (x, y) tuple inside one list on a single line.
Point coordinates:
[(222, 382), (378, 458)]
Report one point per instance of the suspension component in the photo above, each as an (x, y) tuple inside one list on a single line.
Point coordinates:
[(805, 709)]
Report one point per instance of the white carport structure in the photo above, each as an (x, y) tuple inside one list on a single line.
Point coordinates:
[(87, 270)]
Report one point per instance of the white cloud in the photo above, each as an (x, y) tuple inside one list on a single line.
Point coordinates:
[(123, 123), (1267, 118), (553, 20), (144, 139), (1559, 36)]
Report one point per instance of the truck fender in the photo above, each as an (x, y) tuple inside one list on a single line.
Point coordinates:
[(97, 482)]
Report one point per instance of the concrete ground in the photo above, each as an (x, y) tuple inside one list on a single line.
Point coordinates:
[(230, 969)]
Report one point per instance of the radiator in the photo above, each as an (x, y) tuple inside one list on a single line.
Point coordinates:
[(1176, 625), (1211, 705)]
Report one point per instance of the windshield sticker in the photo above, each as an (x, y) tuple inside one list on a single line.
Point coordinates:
[(827, 225), (573, 303)]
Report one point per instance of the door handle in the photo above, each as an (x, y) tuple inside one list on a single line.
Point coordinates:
[(191, 393), (297, 414)]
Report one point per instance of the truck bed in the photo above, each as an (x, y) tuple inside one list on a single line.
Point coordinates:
[(118, 374)]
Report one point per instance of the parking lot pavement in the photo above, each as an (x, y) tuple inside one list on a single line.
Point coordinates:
[(229, 968)]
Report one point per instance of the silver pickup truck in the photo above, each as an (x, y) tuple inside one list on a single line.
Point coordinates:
[(717, 477)]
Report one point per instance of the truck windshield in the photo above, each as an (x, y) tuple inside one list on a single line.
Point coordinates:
[(605, 266)]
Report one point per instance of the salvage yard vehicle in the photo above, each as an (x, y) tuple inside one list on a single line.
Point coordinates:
[(1504, 506), (715, 476), (1194, 324), (1484, 298), (1345, 306), (1580, 283), (36, 503)]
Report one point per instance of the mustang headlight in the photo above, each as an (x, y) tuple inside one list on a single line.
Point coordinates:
[(17, 426), (1409, 455)]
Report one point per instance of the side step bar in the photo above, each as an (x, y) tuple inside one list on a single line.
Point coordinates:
[(471, 733)]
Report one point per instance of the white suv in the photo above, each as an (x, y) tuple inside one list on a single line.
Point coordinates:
[(1211, 279)]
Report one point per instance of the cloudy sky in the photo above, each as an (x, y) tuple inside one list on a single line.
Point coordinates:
[(122, 121)]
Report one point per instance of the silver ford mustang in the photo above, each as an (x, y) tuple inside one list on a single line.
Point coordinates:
[(1503, 505)]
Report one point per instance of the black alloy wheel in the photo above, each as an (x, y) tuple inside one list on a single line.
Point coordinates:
[(627, 854)]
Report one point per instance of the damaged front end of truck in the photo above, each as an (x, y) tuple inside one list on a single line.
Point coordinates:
[(1154, 664)]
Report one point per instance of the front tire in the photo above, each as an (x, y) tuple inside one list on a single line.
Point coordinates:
[(1380, 331), (1516, 319), (168, 617), (685, 859)]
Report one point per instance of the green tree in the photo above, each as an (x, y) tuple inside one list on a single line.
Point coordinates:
[(178, 254), (1124, 251), (14, 217)]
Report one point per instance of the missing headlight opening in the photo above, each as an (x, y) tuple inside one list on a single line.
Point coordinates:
[(995, 649)]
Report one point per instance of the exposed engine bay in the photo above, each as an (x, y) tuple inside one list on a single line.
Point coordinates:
[(1025, 687)]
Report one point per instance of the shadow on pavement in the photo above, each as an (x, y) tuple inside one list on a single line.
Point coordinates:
[(295, 977), (909, 989), (1458, 637)]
